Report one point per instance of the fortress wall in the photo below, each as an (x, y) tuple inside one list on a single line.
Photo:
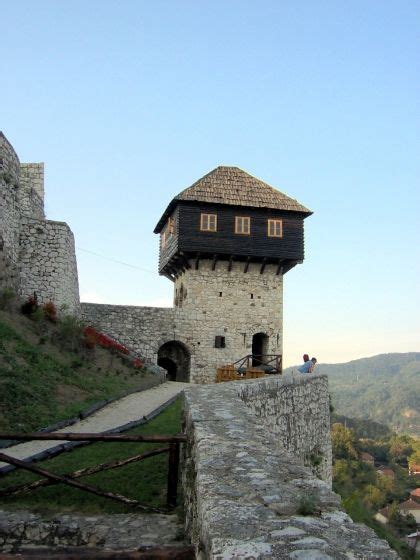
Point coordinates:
[(9, 202), (297, 414), (201, 313), (142, 329), (31, 191), (243, 491), (48, 263)]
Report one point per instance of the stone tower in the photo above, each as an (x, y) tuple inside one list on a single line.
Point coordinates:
[(226, 243)]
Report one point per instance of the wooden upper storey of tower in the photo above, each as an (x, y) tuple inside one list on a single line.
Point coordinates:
[(230, 215)]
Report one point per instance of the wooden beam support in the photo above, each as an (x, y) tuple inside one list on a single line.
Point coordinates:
[(197, 261), (264, 262), (231, 259), (185, 261), (72, 436), (70, 482), (247, 265), (213, 267), (279, 267)]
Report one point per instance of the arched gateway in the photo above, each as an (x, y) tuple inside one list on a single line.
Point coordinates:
[(175, 358)]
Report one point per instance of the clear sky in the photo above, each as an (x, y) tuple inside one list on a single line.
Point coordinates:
[(128, 102)]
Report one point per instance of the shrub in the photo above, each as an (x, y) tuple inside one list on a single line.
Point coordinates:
[(138, 364), (70, 331), (50, 311), (30, 305), (307, 505), (7, 295)]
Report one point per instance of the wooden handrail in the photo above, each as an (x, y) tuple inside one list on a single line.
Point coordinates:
[(69, 436)]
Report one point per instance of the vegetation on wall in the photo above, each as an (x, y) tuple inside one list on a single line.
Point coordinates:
[(48, 372)]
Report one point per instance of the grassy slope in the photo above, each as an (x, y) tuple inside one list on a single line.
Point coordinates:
[(41, 382), (145, 481)]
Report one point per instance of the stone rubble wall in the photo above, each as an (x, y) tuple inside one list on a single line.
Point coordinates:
[(142, 329), (202, 314), (20, 530), (200, 311), (36, 255), (9, 202), (297, 414), (48, 263), (31, 189), (246, 495)]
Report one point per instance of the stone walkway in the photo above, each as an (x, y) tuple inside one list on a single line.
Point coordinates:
[(117, 414)]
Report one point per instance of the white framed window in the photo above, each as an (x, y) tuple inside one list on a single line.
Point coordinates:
[(243, 225), (208, 222), (275, 228)]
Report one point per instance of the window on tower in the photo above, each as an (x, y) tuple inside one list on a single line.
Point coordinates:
[(242, 225), (208, 222), (168, 231), (275, 228)]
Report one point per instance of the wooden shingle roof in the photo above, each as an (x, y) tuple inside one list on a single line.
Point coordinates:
[(233, 186)]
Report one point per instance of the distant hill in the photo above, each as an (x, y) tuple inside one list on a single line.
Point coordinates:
[(383, 388)]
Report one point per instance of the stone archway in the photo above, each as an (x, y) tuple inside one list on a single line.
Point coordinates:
[(175, 358), (259, 348)]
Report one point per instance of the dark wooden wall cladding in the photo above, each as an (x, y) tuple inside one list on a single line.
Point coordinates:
[(189, 240), (171, 246)]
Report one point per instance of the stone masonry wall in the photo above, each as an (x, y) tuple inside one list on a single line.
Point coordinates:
[(200, 315), (31, 190), (226, 303), (9, 203), (36, 255), (245, 494), (48, 263), (142, 329)]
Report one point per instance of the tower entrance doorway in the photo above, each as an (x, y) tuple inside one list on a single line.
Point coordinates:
[(175, 358), (259, 348)]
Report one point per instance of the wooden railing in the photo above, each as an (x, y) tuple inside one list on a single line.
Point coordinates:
[(69, 479), (270, 363)]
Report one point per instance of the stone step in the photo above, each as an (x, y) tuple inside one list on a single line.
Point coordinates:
[(20, 530)]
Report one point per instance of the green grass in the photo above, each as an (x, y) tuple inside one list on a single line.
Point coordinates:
[(41, 382), (144, 481)]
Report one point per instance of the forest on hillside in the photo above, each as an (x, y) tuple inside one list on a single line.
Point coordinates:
[(383, 388)]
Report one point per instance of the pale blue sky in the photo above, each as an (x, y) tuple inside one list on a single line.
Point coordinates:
[(129, 102)]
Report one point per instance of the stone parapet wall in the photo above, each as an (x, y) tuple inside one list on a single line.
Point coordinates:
[(295, 410), (246, 494), (48, 263), (142, 329)]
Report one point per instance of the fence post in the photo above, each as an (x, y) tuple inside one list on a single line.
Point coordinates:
[(173, 466)]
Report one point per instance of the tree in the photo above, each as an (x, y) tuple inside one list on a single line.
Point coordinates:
[(400, 522), (373, 498), (400, 449), (343, 442)]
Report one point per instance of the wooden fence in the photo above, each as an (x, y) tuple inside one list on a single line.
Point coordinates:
[(172, 448)]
